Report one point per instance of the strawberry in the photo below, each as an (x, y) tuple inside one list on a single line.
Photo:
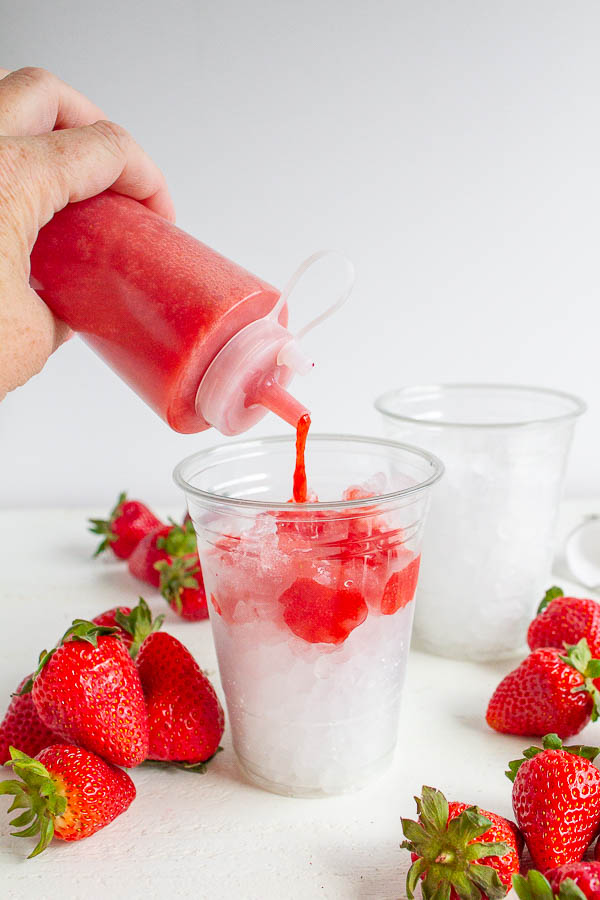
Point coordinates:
[(161, 545), (549, 691), (108, 619), (400, 588), (181, 584), (321, 614), (128, 523), (185, 718), (66, 792), (565, 620), (459, 851), (132, 625), (22, 727), (556, 799), (88, 691), (575, 881)]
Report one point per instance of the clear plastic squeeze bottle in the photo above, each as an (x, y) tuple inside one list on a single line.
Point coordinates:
[(200, 339)]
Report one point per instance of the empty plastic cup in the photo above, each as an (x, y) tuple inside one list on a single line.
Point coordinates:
[(311, 605), (490, 539)]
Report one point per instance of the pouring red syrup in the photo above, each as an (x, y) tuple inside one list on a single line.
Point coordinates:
[(300, 486)]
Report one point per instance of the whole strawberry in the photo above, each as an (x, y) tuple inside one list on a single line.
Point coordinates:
[(460, 852), (574, 881), (556, 799), (549, 692), (88, 692), (132, 625), (22, 727), (185, 718), (163, 544), (565, 620), (182, 586), (66, 792), (129, 521)]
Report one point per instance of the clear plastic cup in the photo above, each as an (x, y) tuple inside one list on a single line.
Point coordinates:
[(490, 537), (311, 605)]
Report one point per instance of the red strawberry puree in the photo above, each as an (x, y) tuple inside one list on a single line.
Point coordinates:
[(153, 301)]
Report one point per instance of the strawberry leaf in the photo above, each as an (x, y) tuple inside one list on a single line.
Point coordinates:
[(414, 874), (198, 768), (448, 851), (550, 595), (180, 541), (432, 807), (104, 526), (36, 793), (139, 624), (551, 742), (481, 850), (570, 891), (486, 878), (468, 826)]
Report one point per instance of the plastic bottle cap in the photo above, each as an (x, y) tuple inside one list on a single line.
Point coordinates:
[(250, 374)]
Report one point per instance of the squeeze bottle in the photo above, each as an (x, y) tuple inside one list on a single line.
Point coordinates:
[(200, 339)]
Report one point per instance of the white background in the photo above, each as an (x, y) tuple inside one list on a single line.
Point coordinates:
[(450, 148)]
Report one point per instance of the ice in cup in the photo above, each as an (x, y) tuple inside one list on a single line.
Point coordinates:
[(490, 536), (311, 605)]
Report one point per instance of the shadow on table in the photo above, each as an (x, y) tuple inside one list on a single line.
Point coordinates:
[(381, 873)]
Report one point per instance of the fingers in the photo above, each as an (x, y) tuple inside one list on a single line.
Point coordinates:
[(33, 101), (81, 162), (33, 334)]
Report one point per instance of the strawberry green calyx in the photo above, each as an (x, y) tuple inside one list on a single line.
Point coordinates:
[(579, 656), (176, 576), (447, 858), (550, 742), (536, 887), (104, 527), (139, 624), (180, 541), (37, 794), (84, 630), (550, 595), (80, 630), (199, 768)]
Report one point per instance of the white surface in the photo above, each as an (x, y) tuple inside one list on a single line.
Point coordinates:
[(214, 837), (450, 149)]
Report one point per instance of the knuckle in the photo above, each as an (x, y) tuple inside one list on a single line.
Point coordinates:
[(115, 136), (35, 76)]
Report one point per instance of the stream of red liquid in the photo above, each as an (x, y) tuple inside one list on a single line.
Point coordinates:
[(300, 488)]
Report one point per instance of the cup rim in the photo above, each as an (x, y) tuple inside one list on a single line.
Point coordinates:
[(577, 404), (253, 445)]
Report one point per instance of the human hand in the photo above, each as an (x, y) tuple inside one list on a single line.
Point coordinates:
[(55, 148)]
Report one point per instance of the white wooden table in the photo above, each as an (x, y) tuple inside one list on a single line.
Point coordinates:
[(215, 836)]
